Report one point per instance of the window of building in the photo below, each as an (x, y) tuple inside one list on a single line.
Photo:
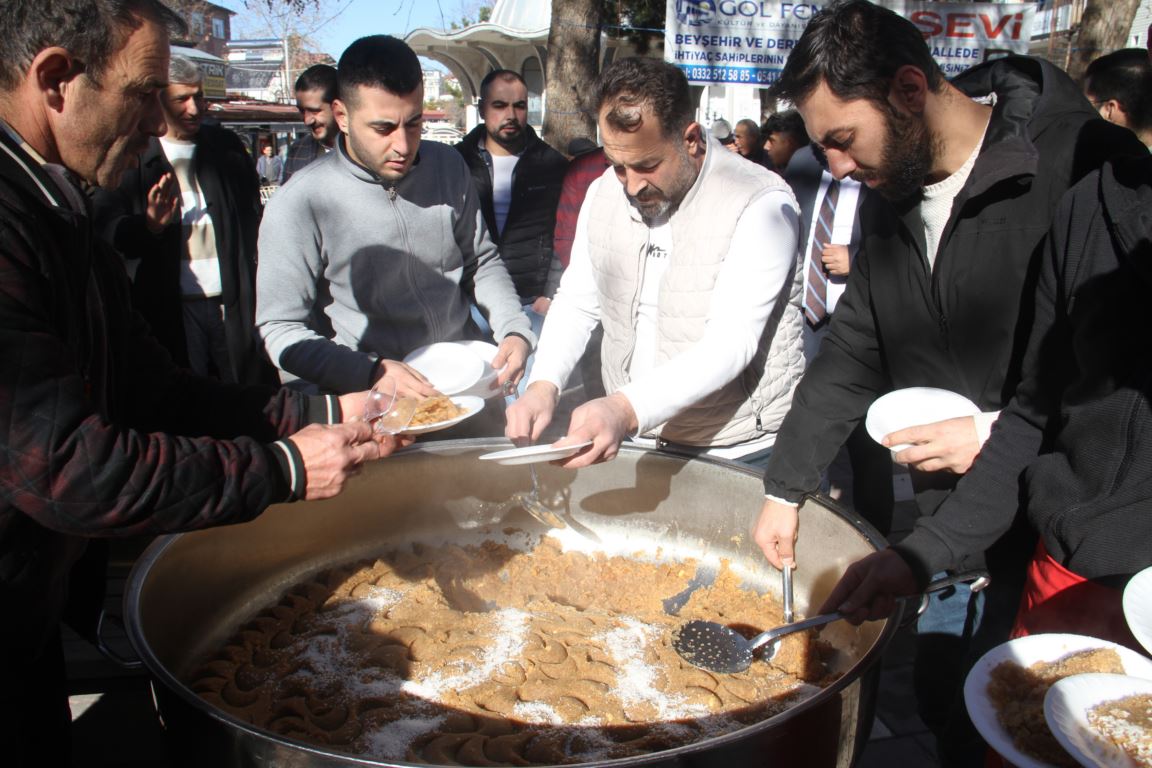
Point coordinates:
[(197, 23), (218, 28)]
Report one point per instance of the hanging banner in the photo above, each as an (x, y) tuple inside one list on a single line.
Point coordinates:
[(748, 41)]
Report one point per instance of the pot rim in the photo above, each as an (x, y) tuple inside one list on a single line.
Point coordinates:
[(160, 672)]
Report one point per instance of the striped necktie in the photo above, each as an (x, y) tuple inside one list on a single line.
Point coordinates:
[(816, 282)]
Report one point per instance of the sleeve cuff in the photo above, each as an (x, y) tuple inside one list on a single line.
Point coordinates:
[(323, 409), (785, 502), (292, 468), (925, 554), (528, 337)]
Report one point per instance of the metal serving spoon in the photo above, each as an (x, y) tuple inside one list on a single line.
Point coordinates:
[(717, 648), (535, 506), (531, 502)]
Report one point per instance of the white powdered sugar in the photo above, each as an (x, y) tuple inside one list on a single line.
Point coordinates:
[(636, 682), (391, 740), (509, 634), (326, 656), (365, 606), (537, 713)]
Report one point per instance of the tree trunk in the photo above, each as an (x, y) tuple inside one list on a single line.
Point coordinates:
[(573, 63), (1103, 28)]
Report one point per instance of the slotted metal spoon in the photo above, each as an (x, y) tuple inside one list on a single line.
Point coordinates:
[(717, 648)]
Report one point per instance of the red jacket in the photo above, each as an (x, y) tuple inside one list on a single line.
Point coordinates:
[(582, 171)]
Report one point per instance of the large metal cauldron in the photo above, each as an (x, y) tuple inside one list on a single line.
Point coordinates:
[(189, 592)]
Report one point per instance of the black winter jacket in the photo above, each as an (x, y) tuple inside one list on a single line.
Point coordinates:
[(526, 242), (962, 325), (1084, 403), (102, 435), (231, 188)]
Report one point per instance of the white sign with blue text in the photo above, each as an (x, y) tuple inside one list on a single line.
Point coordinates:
[(748, 41)]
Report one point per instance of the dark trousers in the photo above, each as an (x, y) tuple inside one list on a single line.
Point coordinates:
[(35, 721), (206, 339)]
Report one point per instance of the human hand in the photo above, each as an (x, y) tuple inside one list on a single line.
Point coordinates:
[(352, 408), (510, 360), (869, 588), (950, 445), (402, 379), (541, 305), (835, 260), (606, 421), (775, 532), (526, 418), (161, 203), (332, 453)]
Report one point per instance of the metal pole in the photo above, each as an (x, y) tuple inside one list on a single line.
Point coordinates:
[(287, 89)]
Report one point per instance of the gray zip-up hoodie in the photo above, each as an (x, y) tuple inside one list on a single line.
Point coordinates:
[(354, 268)]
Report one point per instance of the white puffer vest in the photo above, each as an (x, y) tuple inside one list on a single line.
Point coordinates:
[(755, 402)]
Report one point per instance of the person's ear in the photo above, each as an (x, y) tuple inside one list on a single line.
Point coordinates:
[(1113, 111), (52, 71), (340, 112), (694, 139), (909, 89)]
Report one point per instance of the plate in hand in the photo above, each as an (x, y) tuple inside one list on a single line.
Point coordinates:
[(1026, 651), (912, 407), (1066, 707), (451, 367), (485, 386), (470, 405), (532, 454), (1138, 607)]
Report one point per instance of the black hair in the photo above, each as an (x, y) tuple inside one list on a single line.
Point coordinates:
[(788, 122), (498, 74), (751, 125), (1126, 77), (630, 84), (378, 61), (318, 77), (855, 48), (92, 31)]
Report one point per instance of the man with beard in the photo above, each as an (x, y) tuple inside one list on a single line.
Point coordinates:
[(379, 247), (519, 178), (686, 254), (315, 92), (968, 175)]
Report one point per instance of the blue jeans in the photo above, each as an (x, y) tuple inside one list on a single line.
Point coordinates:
[(537, 321), (944, 632)]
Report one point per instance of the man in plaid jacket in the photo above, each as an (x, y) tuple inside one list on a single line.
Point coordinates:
[(101, 434)]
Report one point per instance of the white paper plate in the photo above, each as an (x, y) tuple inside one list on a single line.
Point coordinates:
[(1066, 708), (1138, 607), (912, 407), (450, 366), (485, 386), (534, 453), (471, 406), (1026, 651)]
